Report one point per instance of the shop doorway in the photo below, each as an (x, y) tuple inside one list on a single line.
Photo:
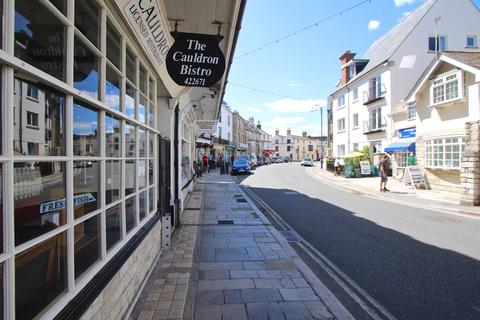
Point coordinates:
[(164, 191)]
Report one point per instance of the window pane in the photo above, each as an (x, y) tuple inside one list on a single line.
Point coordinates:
[(142, 201), (113, 219), (39, 189), (142, 109), (151, 90), (85, 187), (112, 89), (112, 181), (1, 214), (60, 5), (151, 141), (85, 69), (40, 276), (38, 123), (150, 203), (142, 174), (2, 276), (130, 213), (87, 244), (85, 131), (151, 115), (129, 177), (142, 143), (131, 67), (113, 134), (39, 37), (150, 172), (113, 45), (143, 80), (86, 20), (129, 140), (130, 101)]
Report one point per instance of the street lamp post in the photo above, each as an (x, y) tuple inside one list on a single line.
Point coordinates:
[(321, 132)]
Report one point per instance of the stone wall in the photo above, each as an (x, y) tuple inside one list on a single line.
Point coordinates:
[(119, 294), (470, 172)]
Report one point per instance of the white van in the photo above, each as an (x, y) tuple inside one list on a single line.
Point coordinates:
[(253, 160)]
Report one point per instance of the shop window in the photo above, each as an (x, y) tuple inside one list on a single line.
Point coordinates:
[(444, 152), (85, 131), (112, 181), (1, 214), (142, 202), (151, 178), (40, 276), (143, 80), (129, 177), (151, 141), (113, 46), (142, 109), (130, 101), (85, 70), (60, 5), (39, 38), (112, 89), (151, 202), (151, 90), (39, 193), (131, 66), (112, 136), (113, 220), (142, 143), (130, 213), (129, 140), (85, 187), (87, 20), (87, 244), (40, 129), (142, 174), (401, 158)]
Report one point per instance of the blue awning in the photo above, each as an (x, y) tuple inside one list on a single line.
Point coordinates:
[(401, 146)]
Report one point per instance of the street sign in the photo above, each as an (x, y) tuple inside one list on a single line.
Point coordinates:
[(195, 60), (365, 167), (206, 126)]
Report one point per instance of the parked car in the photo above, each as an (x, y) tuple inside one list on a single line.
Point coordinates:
[(241, 165), (274, 160), (307, 161), (287, 159), (260, 161), (280, 160), (266, 160)]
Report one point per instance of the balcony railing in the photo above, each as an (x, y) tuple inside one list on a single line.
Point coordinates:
[(372, 94), (374, 127)]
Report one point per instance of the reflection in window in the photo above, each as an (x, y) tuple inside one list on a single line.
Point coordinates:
[(142, 175), (39, 193), (39, 38), (113, 135), (85, 69), (87, 244), (85, 131), (142, 143), (129, 177), (85, 187), (129, 140), (151, 115), (40, 276), (142, 201), (151, 142), (150, 196), (86, 20), (150, 172), (151, 89), (131, 66), (130, 101), (38, 123), (142, 109), (113, 45), (143, 80), (1, 214), (112, 181), (130, 213), (112, 89), (60, 5), (112, 217)]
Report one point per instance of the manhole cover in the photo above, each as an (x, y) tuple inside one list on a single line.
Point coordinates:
[(225, 221)]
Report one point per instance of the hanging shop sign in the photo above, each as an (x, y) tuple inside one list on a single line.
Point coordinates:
[(206, 126), (145, 19), (195, 60), (407, 133), (365, 167)]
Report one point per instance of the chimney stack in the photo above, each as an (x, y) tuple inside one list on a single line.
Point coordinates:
[(304, 133), (251, 121), (259, 126), (289, 132), (277, 132), (346, 58)]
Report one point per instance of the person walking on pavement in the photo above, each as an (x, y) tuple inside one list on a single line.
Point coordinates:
[(383, 169), (205, 163), (221, 163), (336, 166), (232, 158)]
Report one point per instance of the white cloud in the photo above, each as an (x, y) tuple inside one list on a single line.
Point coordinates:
[(292, 105), (399, 3), (373, 24), (295, 84), (253, 110)]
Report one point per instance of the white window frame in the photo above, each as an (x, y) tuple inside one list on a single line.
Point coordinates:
[(438, 146), (341, 125), (475, 43), (355, 94), (340, 150), (411, 110), (378, 123), (341, 101), (355, 121), (441, 81), (438, 43)]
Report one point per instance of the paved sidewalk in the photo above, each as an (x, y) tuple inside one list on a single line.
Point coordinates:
[(228, 262), (399, 191)]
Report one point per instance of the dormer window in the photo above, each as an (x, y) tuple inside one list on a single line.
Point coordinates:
[(446, 87)]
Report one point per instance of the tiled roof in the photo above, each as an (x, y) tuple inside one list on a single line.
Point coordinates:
[(469, 58)]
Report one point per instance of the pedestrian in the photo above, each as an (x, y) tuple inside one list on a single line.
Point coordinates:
[(221, 163), (383, 169), (336, 166), (232, 158), (205, 163)]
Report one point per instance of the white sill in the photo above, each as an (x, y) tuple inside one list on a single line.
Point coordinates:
[(355, 128), (340, 107), (447, 103), (412, 119), (340, 131)]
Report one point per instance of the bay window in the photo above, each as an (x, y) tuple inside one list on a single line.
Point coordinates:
[(446, 87), (444, 152)]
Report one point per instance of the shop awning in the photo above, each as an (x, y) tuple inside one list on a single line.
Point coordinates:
[(401, 146), (203, 141)]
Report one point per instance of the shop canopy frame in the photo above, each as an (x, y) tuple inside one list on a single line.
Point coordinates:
[(400, 146)]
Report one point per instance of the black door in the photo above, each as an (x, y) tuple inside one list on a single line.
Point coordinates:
[(164, 178)]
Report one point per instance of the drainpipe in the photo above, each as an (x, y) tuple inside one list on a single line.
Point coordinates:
[(176, 192)]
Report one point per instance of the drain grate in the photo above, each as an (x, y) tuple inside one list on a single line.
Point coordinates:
[(225, 221)]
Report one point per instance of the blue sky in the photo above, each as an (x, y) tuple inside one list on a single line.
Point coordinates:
[(304, 67)]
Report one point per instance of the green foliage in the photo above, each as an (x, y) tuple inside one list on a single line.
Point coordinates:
[(366, 152)]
